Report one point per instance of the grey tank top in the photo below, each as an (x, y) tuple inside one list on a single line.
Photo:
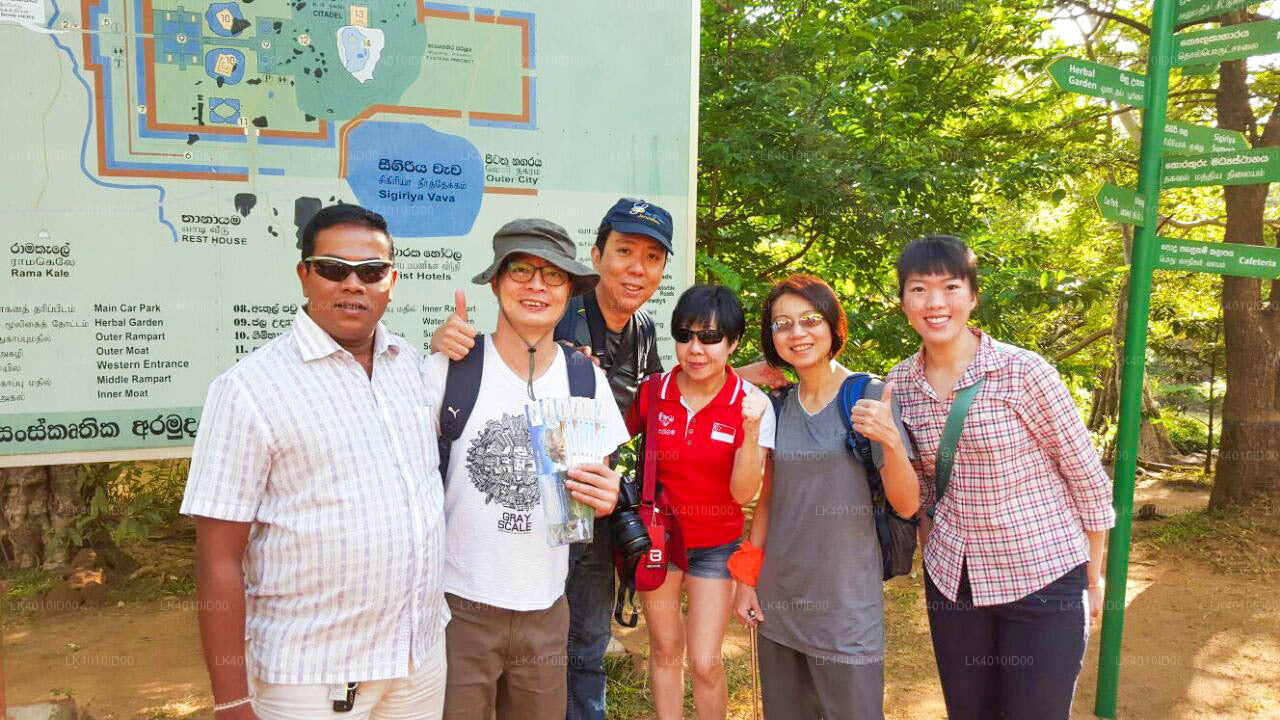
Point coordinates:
[(820, 585)]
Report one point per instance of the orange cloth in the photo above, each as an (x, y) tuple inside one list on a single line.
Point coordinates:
[(744, 565)]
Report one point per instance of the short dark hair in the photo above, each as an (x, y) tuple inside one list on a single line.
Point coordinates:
[(602, 237), (706, 305), (945, 255), (343, 214), (823, 299)]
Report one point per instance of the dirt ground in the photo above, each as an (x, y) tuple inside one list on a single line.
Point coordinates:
[(1199, 643)]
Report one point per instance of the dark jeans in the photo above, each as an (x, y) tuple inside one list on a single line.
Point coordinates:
[(1015, 661), (590, 592)]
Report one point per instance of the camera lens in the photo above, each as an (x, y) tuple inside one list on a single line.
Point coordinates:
[(630, 535)]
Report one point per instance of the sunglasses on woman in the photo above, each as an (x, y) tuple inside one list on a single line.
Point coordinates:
[(808, 321), (710, 336), (336, 269)]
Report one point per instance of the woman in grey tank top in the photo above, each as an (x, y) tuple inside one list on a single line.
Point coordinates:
[(818, 601)]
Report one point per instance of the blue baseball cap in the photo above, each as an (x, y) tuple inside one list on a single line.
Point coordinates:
[(631, 215)]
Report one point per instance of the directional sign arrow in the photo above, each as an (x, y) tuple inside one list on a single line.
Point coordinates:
[(1221, 258), (1189, 10), (1229, 43), (1186, 139), (1103, 81), (1120, 205), (1249, 167)]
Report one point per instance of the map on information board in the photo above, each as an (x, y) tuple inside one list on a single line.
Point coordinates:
[(161, 157)]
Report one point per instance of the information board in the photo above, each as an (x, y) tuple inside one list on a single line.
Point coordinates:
[(161, 156)]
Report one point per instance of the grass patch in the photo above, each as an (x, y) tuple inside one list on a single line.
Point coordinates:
[(630, 699), (28, 583), (1243, 541), (184, 586)]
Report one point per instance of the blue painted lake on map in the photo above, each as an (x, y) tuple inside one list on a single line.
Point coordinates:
[(426, 183)]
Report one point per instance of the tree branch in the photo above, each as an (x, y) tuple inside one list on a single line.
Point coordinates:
[(1084, 342), (1140, 27), (813, 237)]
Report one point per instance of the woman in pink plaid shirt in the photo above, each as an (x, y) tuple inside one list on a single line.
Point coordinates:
[(1013, 556)]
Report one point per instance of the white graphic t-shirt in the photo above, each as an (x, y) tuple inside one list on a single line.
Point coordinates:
[(496, 550)]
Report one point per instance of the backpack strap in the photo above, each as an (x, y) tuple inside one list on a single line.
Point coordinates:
[(570, 327), (595, 323), (851, 391), (461, 388), (582, 373), (778, 396)]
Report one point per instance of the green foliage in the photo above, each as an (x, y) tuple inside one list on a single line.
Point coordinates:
[(1188, 434), (28, 583), (123, 501), (831, 134), (181, 586)]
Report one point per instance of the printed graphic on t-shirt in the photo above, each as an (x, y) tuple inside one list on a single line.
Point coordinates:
[(500, 464)]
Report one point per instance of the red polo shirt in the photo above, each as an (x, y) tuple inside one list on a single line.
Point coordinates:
[(695, 456)]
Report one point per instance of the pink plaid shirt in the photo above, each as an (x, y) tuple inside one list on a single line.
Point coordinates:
[(1026, 482)]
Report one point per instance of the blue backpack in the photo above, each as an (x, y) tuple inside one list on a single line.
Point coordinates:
[(897, 535)]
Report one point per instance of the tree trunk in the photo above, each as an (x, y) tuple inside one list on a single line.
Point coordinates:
[(1154, 444), (36, 505), (1249, 454)]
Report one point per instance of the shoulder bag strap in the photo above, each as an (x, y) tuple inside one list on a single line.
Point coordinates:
[(649, 489), (951, 438)]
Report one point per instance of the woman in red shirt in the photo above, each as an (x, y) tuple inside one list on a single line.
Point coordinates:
[(711, 440), (1014, 559)]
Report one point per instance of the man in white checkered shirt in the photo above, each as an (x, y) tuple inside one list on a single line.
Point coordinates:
[(318, 504)]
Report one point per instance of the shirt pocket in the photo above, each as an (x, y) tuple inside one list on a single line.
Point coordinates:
[(994, 432), (924, 431)]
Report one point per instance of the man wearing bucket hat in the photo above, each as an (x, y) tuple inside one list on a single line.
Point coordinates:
[(634, 241), (503, 581)]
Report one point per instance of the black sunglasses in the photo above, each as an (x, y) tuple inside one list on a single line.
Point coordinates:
[(336, 269), (710, 336)]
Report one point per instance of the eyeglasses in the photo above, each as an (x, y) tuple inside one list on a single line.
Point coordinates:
[(336, 269), (808, 321), (710, 336), (523, 272)]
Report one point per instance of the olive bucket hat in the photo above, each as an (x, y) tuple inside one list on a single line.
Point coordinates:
[(543, 239)]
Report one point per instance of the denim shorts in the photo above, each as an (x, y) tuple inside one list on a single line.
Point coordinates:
[(710, 562)]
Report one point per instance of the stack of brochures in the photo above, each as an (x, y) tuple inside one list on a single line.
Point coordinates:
[(564, 432)]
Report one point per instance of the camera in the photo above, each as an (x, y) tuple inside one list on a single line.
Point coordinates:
[(627, 531)]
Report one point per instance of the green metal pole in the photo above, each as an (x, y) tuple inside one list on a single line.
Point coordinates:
[(1135, 351)]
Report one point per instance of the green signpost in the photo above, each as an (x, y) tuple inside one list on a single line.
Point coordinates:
[(1120, 205), (1233, 42), (1201, 156), (1102, 81), (1221, 258), (1249, 167), (1186, 139), (1189, 10)]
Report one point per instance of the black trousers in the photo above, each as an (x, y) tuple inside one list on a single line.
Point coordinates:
[(1016, 661)]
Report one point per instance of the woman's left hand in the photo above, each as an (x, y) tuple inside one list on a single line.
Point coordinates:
[(595, 484), (874, 418), (1095, 604)]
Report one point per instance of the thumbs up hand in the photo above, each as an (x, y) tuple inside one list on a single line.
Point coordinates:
[(754, 406), (456, 336), (874, 418)]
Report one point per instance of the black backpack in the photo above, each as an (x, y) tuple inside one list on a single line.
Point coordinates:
[(897, 535), (462, 387)]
